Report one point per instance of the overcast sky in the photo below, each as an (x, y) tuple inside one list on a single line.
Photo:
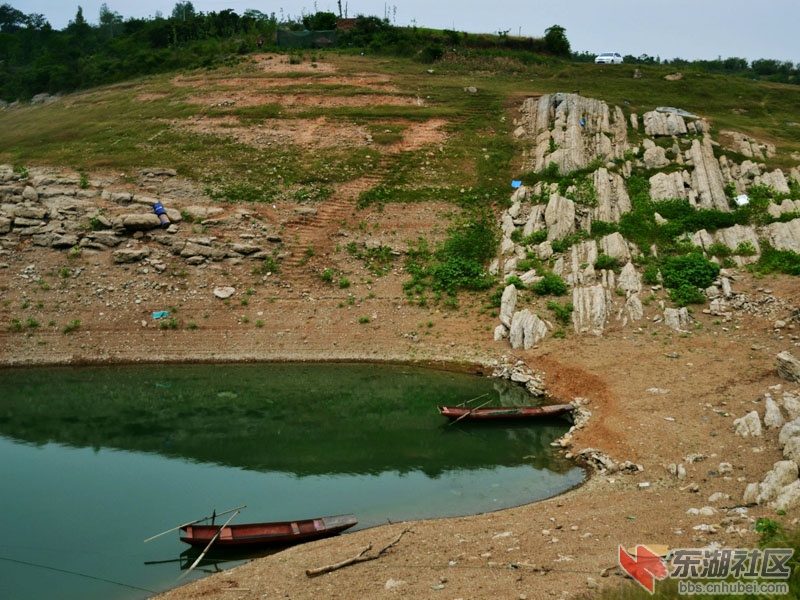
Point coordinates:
[(690, 29)]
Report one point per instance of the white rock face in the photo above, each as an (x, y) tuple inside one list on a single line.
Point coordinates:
[(748, 425), (783, 473), (508, 303), (592, 305), (526, 330), (772, 414)]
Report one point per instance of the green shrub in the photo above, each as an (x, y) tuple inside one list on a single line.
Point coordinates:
[(777, 261), (746, 249), (496, 298), (567, 242), (515, 281), (692, 269), (528, 264), (269, 265), (687, 294), (459, 262), (563, 313), (603, 228), (608, 263), (550, 285), (535, 238), (170, 324), (719, 250), (430, 54), (72, 326)]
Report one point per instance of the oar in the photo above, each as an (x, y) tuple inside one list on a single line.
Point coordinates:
[(193, 522), (473, 400), (469, 412), (213, 539)]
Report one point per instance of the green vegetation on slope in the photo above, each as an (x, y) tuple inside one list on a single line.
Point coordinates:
[(475, 87)]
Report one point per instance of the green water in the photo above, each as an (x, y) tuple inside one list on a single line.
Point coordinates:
[(95, 460)]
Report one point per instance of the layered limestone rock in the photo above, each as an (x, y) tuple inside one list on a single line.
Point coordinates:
[(593, 306), (658, 123), (577, 133), (572, 131), (708, 185), (526, 330), (612, 196), (783, 236), (670, 186), (66, 214)]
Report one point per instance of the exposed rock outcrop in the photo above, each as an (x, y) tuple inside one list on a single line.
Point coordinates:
[(788, 366), (65, 214), (577, 133)]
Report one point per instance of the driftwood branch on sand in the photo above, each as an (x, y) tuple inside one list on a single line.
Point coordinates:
[(358, 558)]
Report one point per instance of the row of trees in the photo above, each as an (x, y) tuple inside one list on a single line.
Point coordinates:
[(35, 58), (773, 70)]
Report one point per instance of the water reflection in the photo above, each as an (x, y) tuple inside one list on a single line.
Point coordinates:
[(302, 419), (95, 460)]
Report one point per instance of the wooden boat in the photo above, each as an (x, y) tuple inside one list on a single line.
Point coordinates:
[(481, 413), (251, 535)]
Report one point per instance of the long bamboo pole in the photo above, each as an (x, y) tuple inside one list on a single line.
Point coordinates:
[(225, 512), (469, 412), (213, 539), (473, 400)]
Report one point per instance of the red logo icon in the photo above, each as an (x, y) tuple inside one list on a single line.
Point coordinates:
[(645, 566)]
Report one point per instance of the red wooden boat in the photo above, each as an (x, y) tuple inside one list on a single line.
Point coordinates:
[(251, 535), (488, 413)]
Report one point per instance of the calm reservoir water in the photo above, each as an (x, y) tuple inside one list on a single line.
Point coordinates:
[(95, 460)]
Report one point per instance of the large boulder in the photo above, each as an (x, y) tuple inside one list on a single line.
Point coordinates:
[(784, 236), (748, 425), (708, 185), (668, 186), (559, 217), (783, 473), (677, 318), (592, 306), (612, 196), (526, 330), (663, 124), (130, 255), (508, 303), (788, 366), (141, 222)]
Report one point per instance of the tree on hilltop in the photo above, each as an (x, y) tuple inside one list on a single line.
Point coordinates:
[(556, 42)]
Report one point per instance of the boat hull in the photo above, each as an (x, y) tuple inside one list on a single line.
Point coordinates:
[(251, 535), (496, 413)]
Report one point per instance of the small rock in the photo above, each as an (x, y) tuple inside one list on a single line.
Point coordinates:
[(224, 292), (393, 583), (748, 425)]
